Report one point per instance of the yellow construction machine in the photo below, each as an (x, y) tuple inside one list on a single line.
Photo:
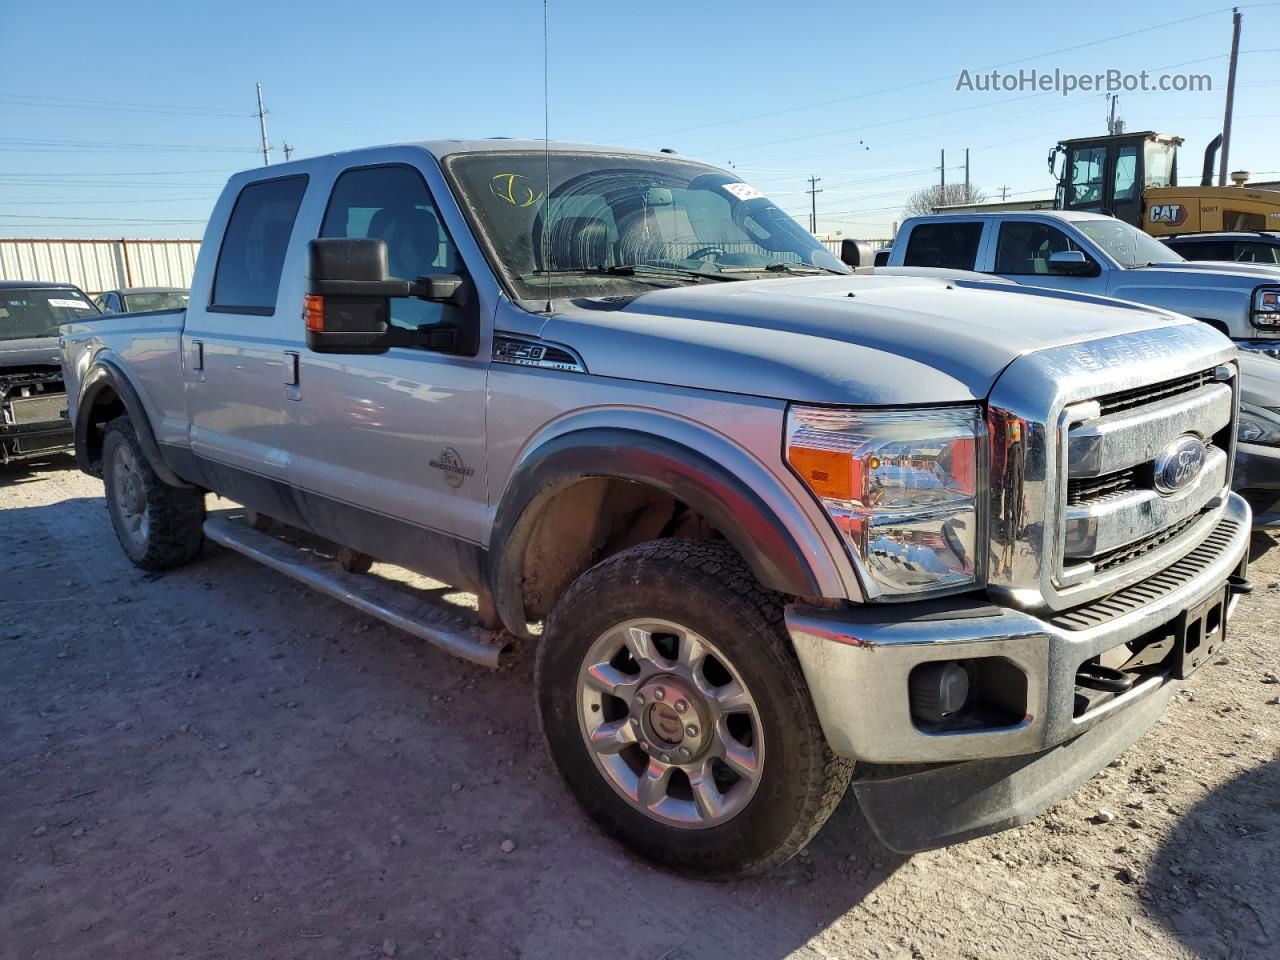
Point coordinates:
[(1134, 176)]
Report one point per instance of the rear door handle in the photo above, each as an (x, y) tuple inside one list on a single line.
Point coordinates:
[(197, 360), (292, 388)]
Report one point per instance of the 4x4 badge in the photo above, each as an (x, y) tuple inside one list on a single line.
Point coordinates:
[(450, 463)]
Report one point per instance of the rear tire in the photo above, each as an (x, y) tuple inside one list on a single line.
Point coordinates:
[(158, 526), (741, 777)]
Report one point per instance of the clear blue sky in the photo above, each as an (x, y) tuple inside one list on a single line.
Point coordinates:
[(123, 120)]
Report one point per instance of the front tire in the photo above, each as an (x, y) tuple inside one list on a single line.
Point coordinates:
[(675, 710), (158, 526)]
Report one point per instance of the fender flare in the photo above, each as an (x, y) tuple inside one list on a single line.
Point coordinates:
[(102, 375), (728, 504)]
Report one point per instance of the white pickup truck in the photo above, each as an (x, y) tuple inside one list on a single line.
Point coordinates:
[(772, 526)]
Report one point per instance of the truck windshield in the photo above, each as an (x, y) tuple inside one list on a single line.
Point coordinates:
[(618, 224), (37, 311), (1128, 245)]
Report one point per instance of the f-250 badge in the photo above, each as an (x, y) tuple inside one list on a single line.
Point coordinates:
[(451, 465)]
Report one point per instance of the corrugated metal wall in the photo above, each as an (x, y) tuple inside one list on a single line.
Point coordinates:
[(97, 265)]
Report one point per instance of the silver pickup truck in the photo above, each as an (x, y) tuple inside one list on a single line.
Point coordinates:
[(772, 526)]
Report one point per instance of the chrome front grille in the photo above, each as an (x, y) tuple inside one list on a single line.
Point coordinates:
[(1075, 431), (1113, 513), (1141, 396)]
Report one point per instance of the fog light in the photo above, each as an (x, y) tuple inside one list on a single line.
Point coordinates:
[(938, 691)]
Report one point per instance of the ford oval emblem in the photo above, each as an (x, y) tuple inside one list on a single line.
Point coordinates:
[(1179, 464)]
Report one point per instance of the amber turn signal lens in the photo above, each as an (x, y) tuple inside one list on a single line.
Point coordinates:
[(313, 312), (828, 473)]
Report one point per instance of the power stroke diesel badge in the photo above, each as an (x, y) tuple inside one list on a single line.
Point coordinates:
[(450, 464)]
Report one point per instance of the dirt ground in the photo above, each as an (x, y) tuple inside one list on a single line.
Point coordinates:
[(218, 763)]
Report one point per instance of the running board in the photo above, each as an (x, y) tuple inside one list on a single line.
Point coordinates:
[(367, 593)]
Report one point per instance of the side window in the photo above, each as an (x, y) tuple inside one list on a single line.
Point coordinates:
[(1126, 178), (953, 246), (247, 279), (1024, 248), (393, 204)]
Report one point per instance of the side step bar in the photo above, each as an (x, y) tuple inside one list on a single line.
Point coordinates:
[(368, 594)]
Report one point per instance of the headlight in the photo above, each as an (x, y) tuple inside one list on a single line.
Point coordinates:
[(902, 486), (1266, 307), (1259, 425)]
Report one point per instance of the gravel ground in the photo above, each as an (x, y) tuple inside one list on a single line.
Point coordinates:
[(217, 763)]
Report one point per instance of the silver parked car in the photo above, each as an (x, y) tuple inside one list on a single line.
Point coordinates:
[(141, 299)]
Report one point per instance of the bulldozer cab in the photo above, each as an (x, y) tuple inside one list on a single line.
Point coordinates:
[(1109, 174)]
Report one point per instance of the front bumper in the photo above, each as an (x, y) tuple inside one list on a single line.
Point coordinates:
[(1257, 479), (23, 441), (1267, 348), (857, 661)]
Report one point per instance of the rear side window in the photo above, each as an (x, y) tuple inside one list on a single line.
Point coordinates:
[(953, 246), (1203, 250), (254, 246)]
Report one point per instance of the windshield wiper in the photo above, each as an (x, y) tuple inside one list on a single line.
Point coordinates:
[(790, 268), (641, 271)]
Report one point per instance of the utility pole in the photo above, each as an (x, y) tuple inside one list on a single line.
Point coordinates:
[(942, 167), (1004, 193), (262, 122), (813, 192), (288, 152), (967, 194), (1231, 97)]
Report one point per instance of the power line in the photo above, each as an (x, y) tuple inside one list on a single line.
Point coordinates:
[(30, 216), (77, 103), (65, 201), (948, 76)]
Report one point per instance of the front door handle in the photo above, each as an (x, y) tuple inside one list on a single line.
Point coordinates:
[(292, 388)]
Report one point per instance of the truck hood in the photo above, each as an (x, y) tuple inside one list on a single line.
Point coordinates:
[(1252, 273), (29, 352), (838, 339)]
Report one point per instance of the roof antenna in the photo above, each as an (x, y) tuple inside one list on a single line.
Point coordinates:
[(546, 144)]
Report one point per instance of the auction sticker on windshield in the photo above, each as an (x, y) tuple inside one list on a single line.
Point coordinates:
[(70, 304), (743, 191)]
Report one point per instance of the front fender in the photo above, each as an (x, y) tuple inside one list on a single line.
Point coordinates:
[(102, 376), (779, 558)]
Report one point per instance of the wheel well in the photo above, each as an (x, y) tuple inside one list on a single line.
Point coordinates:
[(105, 406), (592, 519), (1217, 325)]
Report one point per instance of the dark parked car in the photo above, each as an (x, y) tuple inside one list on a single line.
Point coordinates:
[(33, 401), (1263, 247), (141, 299)]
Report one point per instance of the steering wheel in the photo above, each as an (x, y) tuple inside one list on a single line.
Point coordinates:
[(710, 252)]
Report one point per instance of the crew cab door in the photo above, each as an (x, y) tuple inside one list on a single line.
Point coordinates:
[(241, 324), (400, 434), (1023, 250)]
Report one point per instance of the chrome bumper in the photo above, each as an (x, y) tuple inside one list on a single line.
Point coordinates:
[(857, 661), (1268, 348)]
